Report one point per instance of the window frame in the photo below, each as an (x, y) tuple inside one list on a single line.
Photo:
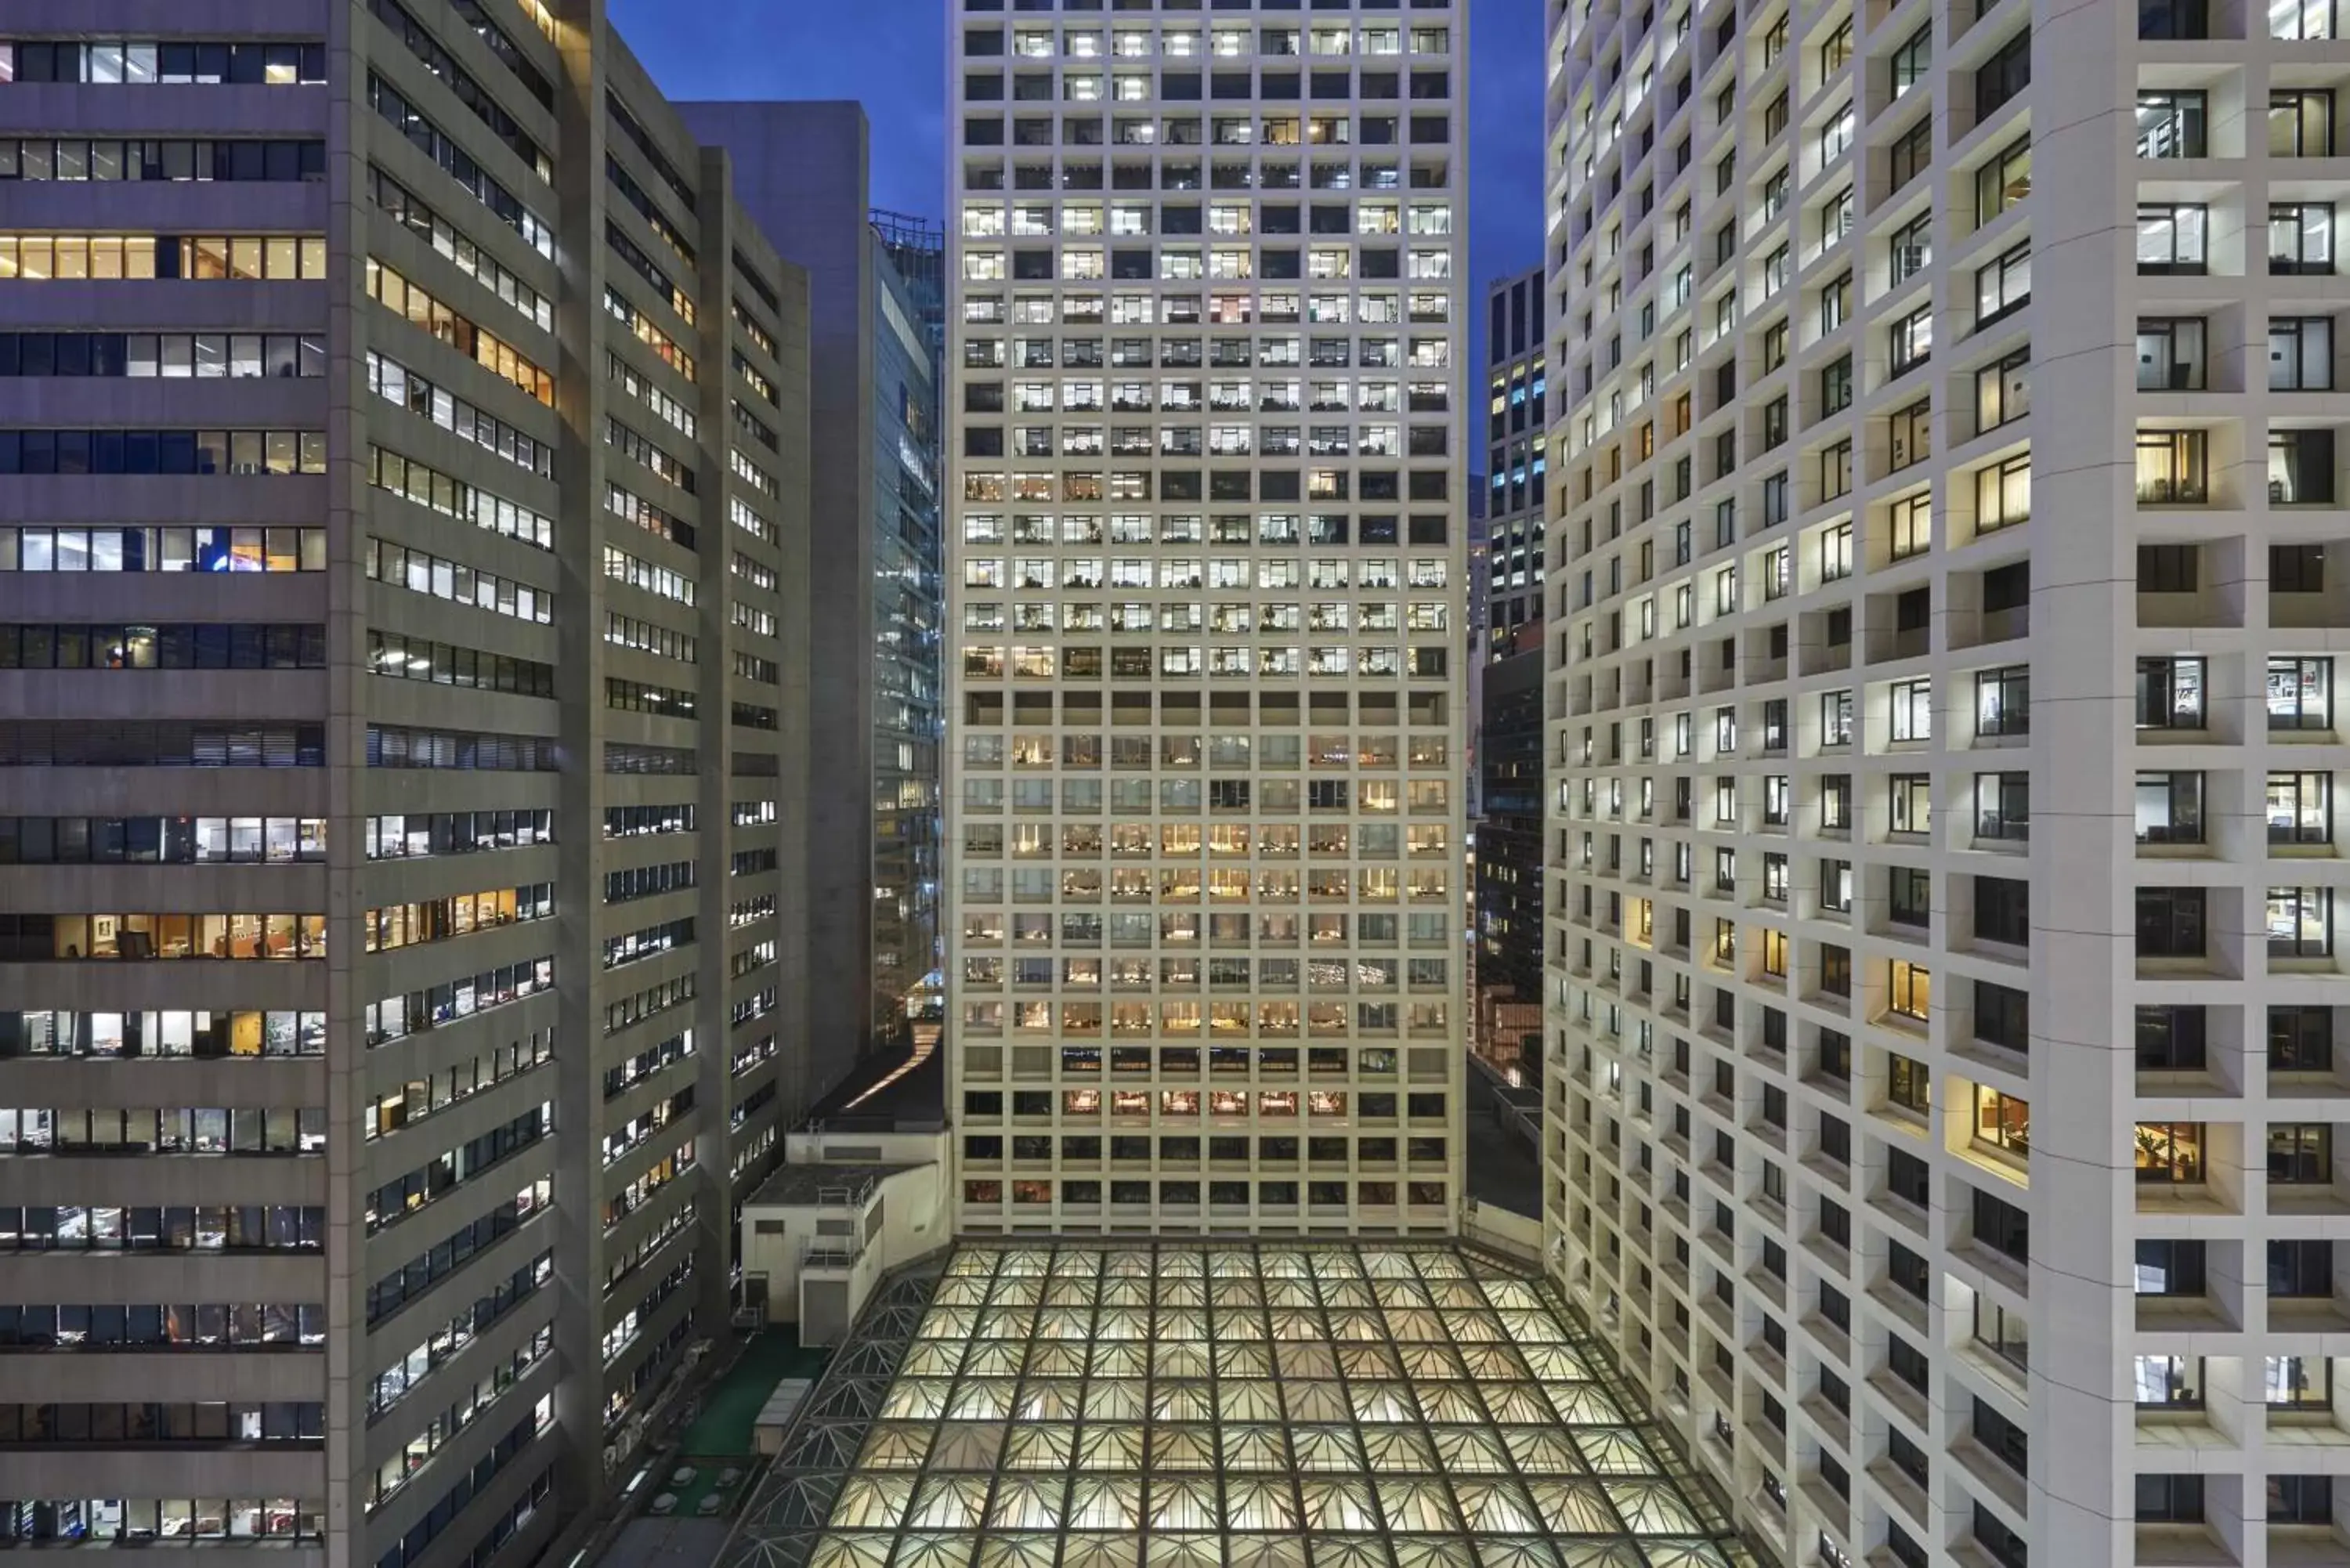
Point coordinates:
[(2002, 391), (2188, 253), (2184, 115), (2290, 340), (2001, 273), (2003, 180), (2008, 817)]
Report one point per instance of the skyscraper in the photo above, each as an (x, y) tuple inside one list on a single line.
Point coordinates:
[(1944, 1112), (398, 769), (1205, 560), (801, 171), (1506, 912), (1517, 381)]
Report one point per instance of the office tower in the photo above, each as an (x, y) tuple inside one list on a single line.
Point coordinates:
[(1944, 1114), (1506, 917), (908, 644), (1204, 553), (918, 250), (913, 641), (1516, 384), (1507, 911), (801, 171), (402, 916)]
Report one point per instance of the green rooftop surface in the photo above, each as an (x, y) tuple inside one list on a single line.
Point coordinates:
[(723, 1435)]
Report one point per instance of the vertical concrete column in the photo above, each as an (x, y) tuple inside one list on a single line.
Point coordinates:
[(2084, 581), (348, 124), (579, 468)]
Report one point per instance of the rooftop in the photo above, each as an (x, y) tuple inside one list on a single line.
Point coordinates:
[(890, 1089), (1341, 1405), (817, 1183)]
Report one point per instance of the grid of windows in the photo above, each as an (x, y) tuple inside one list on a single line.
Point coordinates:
[(436, 788), (1208, 341), (1812, 969)]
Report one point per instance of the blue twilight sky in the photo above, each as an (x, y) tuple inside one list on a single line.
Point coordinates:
[(890, 54)]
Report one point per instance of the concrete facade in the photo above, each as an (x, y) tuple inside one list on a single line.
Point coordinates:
[(802, 171), (1943, 1115), (1206, 550), (490, 710)]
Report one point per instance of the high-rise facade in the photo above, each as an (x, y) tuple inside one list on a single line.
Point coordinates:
[(1206, 552), (917, 246), (908, 865), (1944, 1119), (401, 924), (801, 171), (909, 646), (1506, 906), (1517, 351)]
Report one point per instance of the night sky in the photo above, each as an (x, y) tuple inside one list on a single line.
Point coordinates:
[(891, 55)]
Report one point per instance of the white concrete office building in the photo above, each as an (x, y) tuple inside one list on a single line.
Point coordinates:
[(1206, 549), (1943, 935)]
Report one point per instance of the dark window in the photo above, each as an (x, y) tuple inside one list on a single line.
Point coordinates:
[(1908, 1363), (2301, 1154), (2005, 1439), (1835, 1048), (2002, 1226), (2003, 76), (2002, 910), (2301, 1500), (2170, 1499), (2003, 1015), (2301, 1039), (2171, 1039), (1912, 153), (1907, 1176), (2169, 568), (2174, 20), (2301, 1268), (1909, 896), (2297, 569), (2170, 922), (2169, 1269), (1908, 1270), (1836, 1139)]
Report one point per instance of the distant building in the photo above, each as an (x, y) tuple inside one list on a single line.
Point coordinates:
[(1506, 609), (1508, 932), (918, 250), (1517, 381), (878, 324)]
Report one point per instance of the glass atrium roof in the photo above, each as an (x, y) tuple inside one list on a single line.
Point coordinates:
[(1194, 1405)]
